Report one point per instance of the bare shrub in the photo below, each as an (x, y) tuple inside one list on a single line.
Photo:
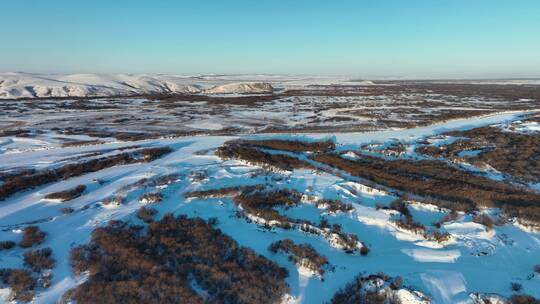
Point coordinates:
[(334, 206), (523, 299), (151, 198), (234, 150), (449, 217), (354, 292), (39, 259), (29, 180), (440, 182), (146, 214), (32, 236), (128, 264), (484, 220), (66, 210), (515, 286), (292, 145), (302, 254), (67, 195), (6, 245), (364, 250), (396, 283), (21, 282)]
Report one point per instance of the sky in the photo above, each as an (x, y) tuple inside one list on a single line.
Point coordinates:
[(362, 38)]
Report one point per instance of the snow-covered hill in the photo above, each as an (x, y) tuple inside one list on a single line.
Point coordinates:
[(23, 85), (242, 88), (34, 85)]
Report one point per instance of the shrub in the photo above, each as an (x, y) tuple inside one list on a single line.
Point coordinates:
[(39, 259), (21, 282), (302, 254), (484, 220), (292, 145), (515, 286), (354, 292), (28, 180), (68, 194), (364, 250), (523, 299), (6, 245), (32, 236), (334, 206), (127, 264), (150, 198), (67, 210), (438, 181), (396, 283), (235, 150), (146, 214)]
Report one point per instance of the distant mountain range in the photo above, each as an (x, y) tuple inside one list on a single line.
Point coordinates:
[(34, 85)]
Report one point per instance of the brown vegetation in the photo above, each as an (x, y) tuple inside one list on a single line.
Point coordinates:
[(523, 299), (261, 202), (160, 265), (438, 181), (484, 219), (292, 145), (303, 255), (6, 245), (39, 259), (334, 206), (251, 154), (382, 293), (21, 282), (32, 236), (67, 195), (146, 214), (154, 197), (513, 153), (27, 181), (66, 210)]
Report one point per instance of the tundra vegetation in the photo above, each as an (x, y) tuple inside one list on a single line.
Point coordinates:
[(164, 262)]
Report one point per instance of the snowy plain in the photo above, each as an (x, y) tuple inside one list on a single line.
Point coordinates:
[(475, 260)]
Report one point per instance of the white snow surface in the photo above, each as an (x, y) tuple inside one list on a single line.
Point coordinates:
[(448, 274)]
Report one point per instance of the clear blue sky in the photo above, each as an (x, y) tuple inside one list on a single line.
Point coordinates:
[(366, 38)]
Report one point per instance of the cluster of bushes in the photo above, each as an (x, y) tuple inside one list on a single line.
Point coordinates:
[(438, 181), (484, 219), (153, 197), (407, 222), (523, 299), (349, 242), (214, 193), (67, 195), (162, 264), (514, 153), (146, 214), (303, 255), (66, 210), (39, 259), (334, 206), (26, 181), (21, 282), (248, 153), (449, 217), (6, 245), (292, 145), (32, 235), (382, 289), (261, 202)]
